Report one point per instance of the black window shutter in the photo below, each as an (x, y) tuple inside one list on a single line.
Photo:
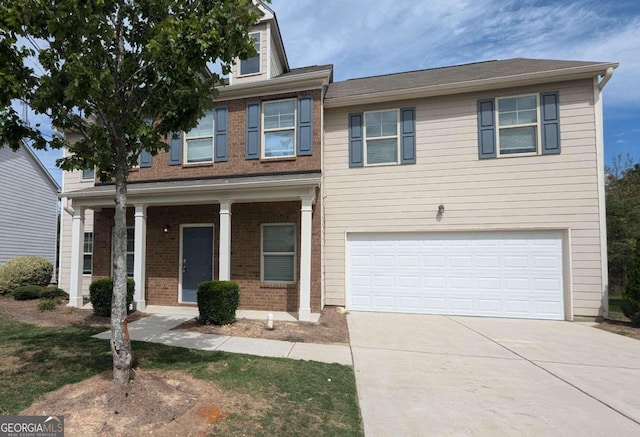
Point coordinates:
[(355, 140), (549, 105)]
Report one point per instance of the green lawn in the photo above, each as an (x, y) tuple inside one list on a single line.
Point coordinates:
[(615, 312), (301, 395)]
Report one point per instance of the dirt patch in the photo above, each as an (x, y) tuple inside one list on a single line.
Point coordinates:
[(622, 328), (155, 403), (27, 311), (331, 328)]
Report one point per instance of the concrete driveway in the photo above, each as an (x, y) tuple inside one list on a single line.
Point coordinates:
[(462, 376)]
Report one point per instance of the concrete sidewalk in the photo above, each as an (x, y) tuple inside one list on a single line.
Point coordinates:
[(157, 329)]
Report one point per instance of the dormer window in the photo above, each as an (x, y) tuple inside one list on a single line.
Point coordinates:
[(252, 65)]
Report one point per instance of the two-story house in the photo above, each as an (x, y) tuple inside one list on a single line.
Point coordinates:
[(474, 189), (235, 198)]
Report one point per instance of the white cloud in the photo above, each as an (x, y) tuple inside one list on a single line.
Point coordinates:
[(363, 38)]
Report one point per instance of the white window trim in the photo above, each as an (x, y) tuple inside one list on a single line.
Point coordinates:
[(84, 253), (87, 179), (537, 125), (396, 136), (259, 72), (294, 127), (213, 257), (200, 137), (128, 253), (294, 253)]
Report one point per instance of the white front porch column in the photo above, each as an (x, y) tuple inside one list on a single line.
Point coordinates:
[(140, 256), (304, 313), (225, 242), (77, 257)]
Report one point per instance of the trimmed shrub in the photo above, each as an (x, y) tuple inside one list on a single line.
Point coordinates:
[(630, 304), (101, 292), (49, 304), (27, 292), (52, 292), (218, 302), (25, 270)]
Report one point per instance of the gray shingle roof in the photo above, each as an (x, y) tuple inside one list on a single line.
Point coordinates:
[(450, 75), (309, 69)]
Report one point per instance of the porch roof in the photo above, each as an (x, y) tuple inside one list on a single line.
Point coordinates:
[(256, 188)]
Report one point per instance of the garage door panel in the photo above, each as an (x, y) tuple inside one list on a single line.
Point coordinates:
[(491, 274)]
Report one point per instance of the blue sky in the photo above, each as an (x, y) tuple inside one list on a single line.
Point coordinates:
[(365, 38)]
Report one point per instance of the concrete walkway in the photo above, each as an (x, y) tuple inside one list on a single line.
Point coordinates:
[(157, 329), (421, 375)]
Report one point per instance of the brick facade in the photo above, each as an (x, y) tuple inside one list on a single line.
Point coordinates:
[(237, 164), (163, 249)]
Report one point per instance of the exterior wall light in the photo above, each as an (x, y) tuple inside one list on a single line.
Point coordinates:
[(441, 209), (166, 229)]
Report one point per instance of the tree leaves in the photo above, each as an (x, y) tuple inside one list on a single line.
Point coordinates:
[(110, 65)]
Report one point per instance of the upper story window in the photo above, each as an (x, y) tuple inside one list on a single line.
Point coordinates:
[(198, 142), (521, 125), (279, 128), (518, 124), (252, 65), (381, 137), (88, 174)]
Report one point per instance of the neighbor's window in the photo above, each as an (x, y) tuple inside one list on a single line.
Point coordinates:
[(252, 65), (278, 252), (199, 140), (279, 121), (518, 124), (130, 249), (381, 137), (87, 262), (88, 173)]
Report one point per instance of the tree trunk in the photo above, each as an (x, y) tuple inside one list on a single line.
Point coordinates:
[(120, 342)]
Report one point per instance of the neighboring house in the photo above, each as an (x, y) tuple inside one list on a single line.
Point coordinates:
[(29, 212), (473, 190)]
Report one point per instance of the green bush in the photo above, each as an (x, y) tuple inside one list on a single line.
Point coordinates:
[(53, 292), (25, 270), (630, 304), (49, 304), (27, 292), (100, 293), (218, 302)]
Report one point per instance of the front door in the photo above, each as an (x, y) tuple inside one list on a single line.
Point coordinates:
[(196, 262)]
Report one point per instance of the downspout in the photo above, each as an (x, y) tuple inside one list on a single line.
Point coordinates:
[(605, 78), (66, 207), (599, 118)]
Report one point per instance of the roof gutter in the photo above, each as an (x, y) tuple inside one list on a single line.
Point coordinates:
[(472, 85), (605, 78), (277, 85)]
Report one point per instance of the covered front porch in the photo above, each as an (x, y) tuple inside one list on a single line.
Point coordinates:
[(262, 232)]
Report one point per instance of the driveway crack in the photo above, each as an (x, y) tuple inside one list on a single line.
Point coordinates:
[(547, 371)]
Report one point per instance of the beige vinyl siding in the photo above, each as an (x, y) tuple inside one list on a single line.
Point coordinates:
[(509, 193), (276, 66), (72, 181)]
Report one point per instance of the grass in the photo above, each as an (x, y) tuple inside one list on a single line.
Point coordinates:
[(299, 395), (615, 312)]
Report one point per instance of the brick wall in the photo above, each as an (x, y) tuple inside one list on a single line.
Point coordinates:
[(163, 249), (237, 164)]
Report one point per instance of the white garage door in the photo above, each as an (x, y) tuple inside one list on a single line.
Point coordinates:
[(506, 274)]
